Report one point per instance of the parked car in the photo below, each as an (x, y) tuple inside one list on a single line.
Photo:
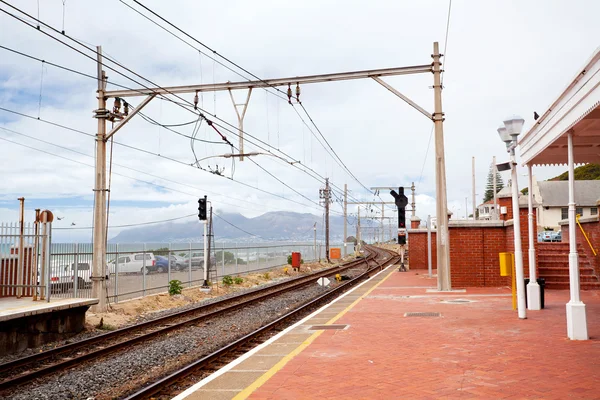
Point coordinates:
[(556, 236), (84, 275), (547, 236), (197, 260), (162, 264), (133, 263)]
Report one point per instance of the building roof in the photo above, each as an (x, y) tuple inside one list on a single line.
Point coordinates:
[(556, 193)]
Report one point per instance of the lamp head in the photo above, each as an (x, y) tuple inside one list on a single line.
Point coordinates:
[(514, 125), (504, 135)]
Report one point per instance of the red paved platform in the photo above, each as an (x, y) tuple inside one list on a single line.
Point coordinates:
[(477, 349)]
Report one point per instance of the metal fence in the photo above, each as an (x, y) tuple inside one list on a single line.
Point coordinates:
[(137, 270), (24, 261)]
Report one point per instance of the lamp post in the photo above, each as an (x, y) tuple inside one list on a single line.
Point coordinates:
[(509, 134)]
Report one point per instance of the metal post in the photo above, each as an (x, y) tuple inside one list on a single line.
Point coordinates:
[(473, 184), (358, 233), (576, 313), (99, 250), (116, 300), (36, 244), (517, 239), (169, 266), (76, 275), (48, 252), (345, 218), (44, 290), (442, 239), (495, 172), (315, 239), (223, 258), (144, 270), (190, 267), (533, 288), (21, 259), (206, 257), (429, 266)]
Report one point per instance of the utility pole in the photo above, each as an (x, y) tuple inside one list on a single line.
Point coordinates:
[(442, 239), (413, 203), (325, 195), (315, 240), (210, 236), (494, 172), (382, 218), (429, 244), (474, 205), (358, 238), (345, 217), (99, 234)]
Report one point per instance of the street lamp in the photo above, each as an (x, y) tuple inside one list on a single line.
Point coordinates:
[(509, 134)]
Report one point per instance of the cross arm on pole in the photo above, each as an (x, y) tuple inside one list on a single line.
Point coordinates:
[(403, 97), (209, 87), (131, 114)]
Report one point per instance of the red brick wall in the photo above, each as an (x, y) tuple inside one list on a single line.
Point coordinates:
[(417, 241), (474, 256), (474, 250)]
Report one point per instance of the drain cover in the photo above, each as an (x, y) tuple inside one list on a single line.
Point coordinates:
[(457, 301), (326, 327), (422, 314)]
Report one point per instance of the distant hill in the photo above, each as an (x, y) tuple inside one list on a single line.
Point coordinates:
[(272, 226), (588, 172)]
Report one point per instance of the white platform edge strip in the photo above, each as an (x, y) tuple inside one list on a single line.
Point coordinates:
[(261, 346)]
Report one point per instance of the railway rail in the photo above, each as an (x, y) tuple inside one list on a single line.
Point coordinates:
[(27, 369), (178, 381)]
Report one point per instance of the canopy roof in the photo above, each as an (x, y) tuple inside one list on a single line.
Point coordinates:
[(576, 109)]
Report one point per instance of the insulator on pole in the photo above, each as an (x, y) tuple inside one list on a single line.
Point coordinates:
[(289, 93), (196, 101), (117, 105), (298, 92)]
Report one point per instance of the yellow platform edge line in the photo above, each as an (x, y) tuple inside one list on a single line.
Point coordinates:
[(277, 367)]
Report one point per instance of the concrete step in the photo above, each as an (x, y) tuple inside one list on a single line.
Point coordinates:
[(565, 278), (559, 270), (565, 286)]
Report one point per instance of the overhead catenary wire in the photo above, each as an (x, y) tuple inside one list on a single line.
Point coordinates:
[(116, 63)]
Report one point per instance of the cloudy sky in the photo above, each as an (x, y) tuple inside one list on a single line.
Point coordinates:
[(502, 58)]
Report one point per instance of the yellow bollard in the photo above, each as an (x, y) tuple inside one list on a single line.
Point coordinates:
[(507, 268)]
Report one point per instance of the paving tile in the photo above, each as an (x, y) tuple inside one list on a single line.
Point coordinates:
[(475, 350)]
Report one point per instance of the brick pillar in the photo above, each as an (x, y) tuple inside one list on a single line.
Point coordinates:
[(415, 222)]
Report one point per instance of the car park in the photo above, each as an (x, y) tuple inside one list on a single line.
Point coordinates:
[(137, 262)]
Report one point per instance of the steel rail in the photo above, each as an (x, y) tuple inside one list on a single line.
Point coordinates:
[(256, 295), (155, 388)]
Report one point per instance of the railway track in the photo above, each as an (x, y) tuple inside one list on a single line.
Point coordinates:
[(27, 369), (178, 381)]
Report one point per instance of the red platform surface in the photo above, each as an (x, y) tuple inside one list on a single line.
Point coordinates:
[(474, 350)]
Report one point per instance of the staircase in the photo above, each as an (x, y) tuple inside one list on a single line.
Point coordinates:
[(553, 265)]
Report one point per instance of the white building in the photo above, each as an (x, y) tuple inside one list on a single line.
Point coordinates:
[(550, 199)]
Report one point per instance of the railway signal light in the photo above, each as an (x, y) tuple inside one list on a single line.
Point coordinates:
[(401, 202), (202, 209)]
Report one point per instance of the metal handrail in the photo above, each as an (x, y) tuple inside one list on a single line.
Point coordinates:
[(585, 235)]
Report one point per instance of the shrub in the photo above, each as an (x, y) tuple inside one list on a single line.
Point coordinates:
[(227, 280), (238, 280), (175, 287), (290, 259)]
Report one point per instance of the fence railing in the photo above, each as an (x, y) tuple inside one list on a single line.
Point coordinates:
[(137, 270), (24, 260)]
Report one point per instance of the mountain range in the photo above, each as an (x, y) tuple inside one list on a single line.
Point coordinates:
[(230, 227)]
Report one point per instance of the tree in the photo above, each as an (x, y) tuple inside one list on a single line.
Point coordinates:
[(489, 189), (585, 172)]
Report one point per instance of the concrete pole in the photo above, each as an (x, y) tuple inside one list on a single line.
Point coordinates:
[(429, 245), (382, 227), (345, 217), (533, 289), (576, 314), (517, 239), (496, 215), (442, 239), (327, 219), (413, 203), (315, 239), (473, 184), (99, 235)]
